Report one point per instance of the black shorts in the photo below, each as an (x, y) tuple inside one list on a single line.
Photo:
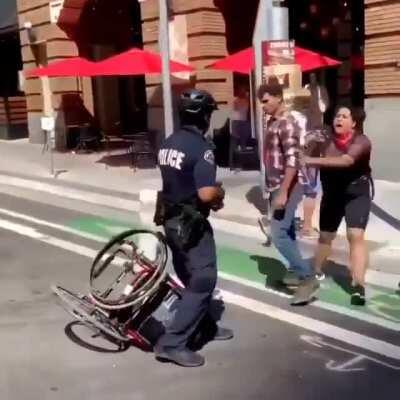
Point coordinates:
[(353, 203)]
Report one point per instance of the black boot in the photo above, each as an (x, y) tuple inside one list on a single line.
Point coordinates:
[(223, 333), (184, 358), (358, 295)]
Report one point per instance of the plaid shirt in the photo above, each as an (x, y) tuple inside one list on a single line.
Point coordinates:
[(281, 149)]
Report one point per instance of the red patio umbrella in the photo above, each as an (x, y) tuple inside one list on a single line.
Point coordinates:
[(244, 61), (138, 62), (131, 62), (75, 66)]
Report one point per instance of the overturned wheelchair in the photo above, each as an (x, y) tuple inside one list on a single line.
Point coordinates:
[(131, 296)]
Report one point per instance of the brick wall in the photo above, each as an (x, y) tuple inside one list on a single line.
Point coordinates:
[(382, 47)]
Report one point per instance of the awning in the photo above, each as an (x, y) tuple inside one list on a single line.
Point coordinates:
[(75, 66), (243, 61), (137, 62), (131, 62)]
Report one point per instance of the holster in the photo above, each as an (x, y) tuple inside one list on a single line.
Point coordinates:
[(191, 226), (160, 212), (190, 222)]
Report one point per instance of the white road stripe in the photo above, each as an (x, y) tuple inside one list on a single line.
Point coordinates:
[(310, 324), (52, 225), (320, 327), (245, 282), (35, 234), (75, 194)]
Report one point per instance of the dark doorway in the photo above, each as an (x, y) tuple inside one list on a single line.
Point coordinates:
[(11, 63), (334, 28), (107, 28)]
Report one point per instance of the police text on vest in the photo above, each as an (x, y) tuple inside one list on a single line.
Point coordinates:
[(171, 157)]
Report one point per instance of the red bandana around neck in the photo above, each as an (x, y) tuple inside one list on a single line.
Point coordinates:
[(342, 141)]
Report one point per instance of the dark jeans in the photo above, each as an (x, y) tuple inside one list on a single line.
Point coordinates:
[(240, 135), (196, 268)]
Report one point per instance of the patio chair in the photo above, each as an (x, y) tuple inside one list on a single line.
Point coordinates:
[(88, 139), (139, 147)]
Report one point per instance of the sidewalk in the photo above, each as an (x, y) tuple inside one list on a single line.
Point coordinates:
[(96, 170), (114, 177)]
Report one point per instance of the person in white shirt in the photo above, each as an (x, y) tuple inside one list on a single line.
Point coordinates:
[(240, 124), (301, 109), (319, 103)]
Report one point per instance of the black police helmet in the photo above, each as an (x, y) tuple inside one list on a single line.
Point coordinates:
[(195, 108), (196, 101)]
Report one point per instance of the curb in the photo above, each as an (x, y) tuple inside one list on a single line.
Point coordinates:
[(146, 203)]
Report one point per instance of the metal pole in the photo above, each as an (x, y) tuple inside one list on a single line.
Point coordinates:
[(48, 112), (166, 73), (272, 24), (252, 106)]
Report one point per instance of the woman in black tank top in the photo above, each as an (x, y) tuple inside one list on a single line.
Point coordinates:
[(346, 184)]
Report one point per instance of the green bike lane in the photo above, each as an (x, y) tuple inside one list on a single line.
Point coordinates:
[(261, 269)]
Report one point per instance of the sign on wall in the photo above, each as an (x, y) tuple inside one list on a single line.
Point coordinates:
[(55, 10), (278, 59)]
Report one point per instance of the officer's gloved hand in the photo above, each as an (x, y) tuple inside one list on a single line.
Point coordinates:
[(218, 206)]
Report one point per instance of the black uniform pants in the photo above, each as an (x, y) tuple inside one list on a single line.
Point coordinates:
[(196, 268)]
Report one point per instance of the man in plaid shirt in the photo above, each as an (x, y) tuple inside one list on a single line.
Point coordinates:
[(284, 183)]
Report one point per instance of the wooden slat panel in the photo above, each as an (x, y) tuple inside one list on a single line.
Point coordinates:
[(382, 81), (207, 46), (150, 31), (16, 113), (57, 85), (36, 16), (383, 56), (45, 32), (382, 19), (61, 49), (206, 21), (200, 22), (34, 102), (222, 92), (149, 8), (26, 5), (370, 2), (206, 43), (32, 86), (55, 50)]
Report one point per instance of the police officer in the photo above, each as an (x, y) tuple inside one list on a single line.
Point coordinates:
[(189, 192)]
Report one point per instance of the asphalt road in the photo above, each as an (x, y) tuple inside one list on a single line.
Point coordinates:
[(278, 352)]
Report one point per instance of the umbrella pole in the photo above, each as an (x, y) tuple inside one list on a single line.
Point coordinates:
[(272, 23), (48, 113), (252, 116), (166, 73)]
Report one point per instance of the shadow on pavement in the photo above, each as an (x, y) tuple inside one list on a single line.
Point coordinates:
[(84, 339), (207, 328), (116, 160), (385, 216), (340, 274), (274, 271), (254, 196), (125, 160)]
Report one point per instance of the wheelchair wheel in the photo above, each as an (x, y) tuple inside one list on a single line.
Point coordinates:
[(82, 309), (128, 270)]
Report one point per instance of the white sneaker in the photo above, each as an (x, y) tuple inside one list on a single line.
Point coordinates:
[(320, 276)]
